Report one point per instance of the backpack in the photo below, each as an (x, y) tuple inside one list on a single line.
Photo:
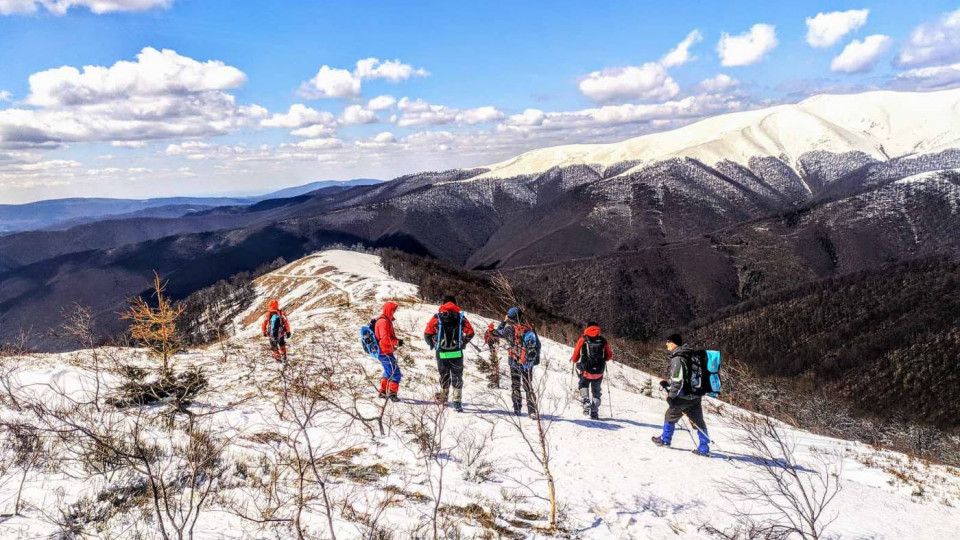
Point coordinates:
[(368, 339), (703, 373), (450, 335), (593, 354), (276, 325), (530, 345)]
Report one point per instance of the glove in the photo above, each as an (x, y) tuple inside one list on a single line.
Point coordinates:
[(665, 385), (527, 366), (266, 334), (579, 367), (399, 343), (288, 335)]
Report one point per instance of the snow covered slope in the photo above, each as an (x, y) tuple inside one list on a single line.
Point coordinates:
[(881, 124), (611, 481)]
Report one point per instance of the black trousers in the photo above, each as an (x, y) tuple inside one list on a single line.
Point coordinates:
[(451, 372), (690, 407), (521, 377), (594, 386)]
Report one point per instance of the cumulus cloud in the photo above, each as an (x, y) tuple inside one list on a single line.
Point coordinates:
[(381, 103), (379, 140), (5, 95), (60, 7), (681, 53), (747, 48), (932, 43), (356, 114), (332, 82), (416, 113), (128, 144), (529, 117), (298, 116), (827, 29), (935, 77), (326, 143), (649, 82), (161, 95), (314, 132), (718, 83), (859, 56)]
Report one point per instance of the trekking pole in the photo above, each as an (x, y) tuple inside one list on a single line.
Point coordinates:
[(610, 398)]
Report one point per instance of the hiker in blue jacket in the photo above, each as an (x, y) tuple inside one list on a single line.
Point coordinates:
[(680, 400)]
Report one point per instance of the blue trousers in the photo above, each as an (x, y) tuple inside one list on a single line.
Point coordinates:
[(391, 370)]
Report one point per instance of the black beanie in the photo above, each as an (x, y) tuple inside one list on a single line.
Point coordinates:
[(675, 339), (450, 298)]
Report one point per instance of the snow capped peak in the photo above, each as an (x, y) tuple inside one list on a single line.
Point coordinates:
[(881, 124)]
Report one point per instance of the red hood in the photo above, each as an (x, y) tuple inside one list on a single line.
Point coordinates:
[(389, 309), (592, 331), (449, 306), (273, 306)]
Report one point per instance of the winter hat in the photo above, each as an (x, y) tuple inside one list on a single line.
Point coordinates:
[(675, 339), (450, 299), (274, 305), (514, 314)]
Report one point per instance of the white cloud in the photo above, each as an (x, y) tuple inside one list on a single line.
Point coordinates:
[(936, 43), (529, 117), (128, 144), (379, 140), (649, 82), (356, 114), (420, 113), (859, 56), (681, 53), (5, 95), (747, 48), (315, 131), (298, 116), (381, 103), (936, 77), (332, 82), (718, 83), (155, 73), (327, 143), (827, 29), (60, 7)]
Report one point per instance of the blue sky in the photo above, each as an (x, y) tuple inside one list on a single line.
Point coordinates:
[(207, 96)]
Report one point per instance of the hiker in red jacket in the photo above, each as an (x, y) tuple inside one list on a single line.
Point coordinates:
[(448, 333), (388, 342), (276, 327), (590, 357), (490, 339)]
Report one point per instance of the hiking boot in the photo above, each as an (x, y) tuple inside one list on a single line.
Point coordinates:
[(440, 397), (457, 406), (381, 394), (284, 360), (533, 415), (516, 412), (594, 415), (659, 441), (699, 452), (394, 398), (586, 409)]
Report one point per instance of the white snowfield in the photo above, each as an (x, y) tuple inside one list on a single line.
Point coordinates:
[(612, 482), (882, 124)]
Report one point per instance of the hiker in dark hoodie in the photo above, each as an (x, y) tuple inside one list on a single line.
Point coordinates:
[(680, 400), (590, 356), (448, 333), (521, 359), (388, 342)]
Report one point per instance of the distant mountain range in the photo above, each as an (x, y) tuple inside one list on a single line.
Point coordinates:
[(646, 235), (66, 213)]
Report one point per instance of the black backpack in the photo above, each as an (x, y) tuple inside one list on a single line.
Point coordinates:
[(450, 335), (702, 372), (593, 354)]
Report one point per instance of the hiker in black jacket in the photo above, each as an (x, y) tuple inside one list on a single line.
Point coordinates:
[(680, 399)]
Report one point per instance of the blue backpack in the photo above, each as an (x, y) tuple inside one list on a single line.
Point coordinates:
[(368, 339), (704, 373), (531, 348)]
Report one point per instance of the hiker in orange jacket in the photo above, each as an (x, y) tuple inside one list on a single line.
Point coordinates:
[(448, 333), (388, 342), (276, 327), (590, 357)]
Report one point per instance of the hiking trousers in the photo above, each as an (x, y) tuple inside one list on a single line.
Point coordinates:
[(591, 390), (279, 347), (690, 407), (391, 370), (521, 377), (451, 372)]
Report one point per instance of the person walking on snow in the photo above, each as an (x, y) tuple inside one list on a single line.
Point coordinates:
[(680, 400), (276, 327), (388, 342), (590, 356), (513, 330), (448, 333), (490, 339)]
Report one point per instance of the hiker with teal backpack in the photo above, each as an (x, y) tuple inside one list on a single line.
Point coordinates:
[(693, 374), (448, 333), (523, 352)]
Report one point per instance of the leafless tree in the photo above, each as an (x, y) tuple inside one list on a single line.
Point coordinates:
[(427, 428), (786, 499)]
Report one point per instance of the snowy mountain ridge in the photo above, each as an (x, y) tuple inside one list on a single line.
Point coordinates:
[(611, 481), (881, 124)]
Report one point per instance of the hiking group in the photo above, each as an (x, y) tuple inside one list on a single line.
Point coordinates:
[(692, 373)]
